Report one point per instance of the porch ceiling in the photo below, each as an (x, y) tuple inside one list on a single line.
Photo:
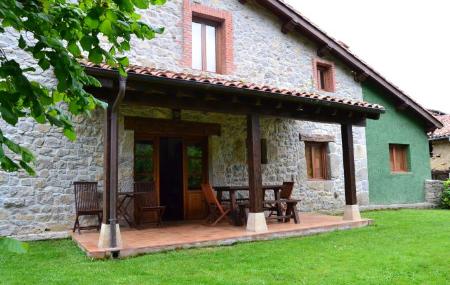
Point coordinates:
[(162, 88)]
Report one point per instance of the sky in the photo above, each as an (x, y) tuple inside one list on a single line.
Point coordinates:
[(408, 42)]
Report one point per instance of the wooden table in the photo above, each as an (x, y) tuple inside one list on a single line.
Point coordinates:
[(125, 199), (236, 214)]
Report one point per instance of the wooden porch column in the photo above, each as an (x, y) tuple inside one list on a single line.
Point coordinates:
[(351, 211), (256, 220)]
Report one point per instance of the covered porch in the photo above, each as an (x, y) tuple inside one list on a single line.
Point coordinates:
[(181, 92)]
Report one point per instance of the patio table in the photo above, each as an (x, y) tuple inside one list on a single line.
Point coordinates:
[(125, 199), (236, 210)]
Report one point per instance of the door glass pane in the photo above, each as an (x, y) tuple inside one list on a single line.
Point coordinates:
[(143, 162), (196, 46), (195, 167), (210, 48)]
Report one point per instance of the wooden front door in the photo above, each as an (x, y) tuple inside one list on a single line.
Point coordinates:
[(195, 173)]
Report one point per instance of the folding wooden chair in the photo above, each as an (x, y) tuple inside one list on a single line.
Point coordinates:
[(86, 204), (216, 210), (146, 201)]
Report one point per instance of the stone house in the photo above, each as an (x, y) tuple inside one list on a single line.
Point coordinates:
[(229, 59), (440, 149)]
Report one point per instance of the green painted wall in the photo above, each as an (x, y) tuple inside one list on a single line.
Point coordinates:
[(397, 127)]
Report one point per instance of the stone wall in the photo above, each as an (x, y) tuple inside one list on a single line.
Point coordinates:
[(45, 202), (286, 156), (433, 191), (30, 205), (440, 160)]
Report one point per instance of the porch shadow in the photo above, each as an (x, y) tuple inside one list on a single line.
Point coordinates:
[(194, 234)]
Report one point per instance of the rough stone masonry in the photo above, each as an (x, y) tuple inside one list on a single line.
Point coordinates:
[(45, 203)]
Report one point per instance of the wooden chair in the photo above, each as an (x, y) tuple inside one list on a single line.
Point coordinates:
[(284, 206), (216, 210), (147, 202), (86, 204)]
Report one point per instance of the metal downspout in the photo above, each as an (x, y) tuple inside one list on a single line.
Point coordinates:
[(114, 163)]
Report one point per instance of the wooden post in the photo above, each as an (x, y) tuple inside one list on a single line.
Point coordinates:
[(351, 211), (254, 163), (256, 221), (106, 164)]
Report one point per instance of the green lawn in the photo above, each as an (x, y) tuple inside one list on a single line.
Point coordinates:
[(403, 247)]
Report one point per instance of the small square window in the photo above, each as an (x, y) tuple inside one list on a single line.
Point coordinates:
[(317, 160), (324, 75), (398, 154)]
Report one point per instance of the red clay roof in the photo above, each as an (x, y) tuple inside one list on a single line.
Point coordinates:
[(444, 132), (161, 73)]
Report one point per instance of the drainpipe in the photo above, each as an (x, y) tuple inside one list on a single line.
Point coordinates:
[(114, 164)]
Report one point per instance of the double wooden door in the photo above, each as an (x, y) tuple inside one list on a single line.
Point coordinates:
[(177, 166)]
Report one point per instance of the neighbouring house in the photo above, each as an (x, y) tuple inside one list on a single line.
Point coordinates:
[(233, 93), (440, 149)]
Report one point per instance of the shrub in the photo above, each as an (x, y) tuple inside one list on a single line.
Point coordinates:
[(445, 199)]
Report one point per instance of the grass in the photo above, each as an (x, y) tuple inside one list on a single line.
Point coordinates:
[(403, 247)]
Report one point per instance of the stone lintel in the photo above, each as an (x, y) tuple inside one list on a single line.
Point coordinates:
[(317, 138)]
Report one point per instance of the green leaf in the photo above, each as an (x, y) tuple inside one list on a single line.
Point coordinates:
[(87, 42), (73, 48), (22, 43), (70, 134), (12, 245), (8, 115), (158, 2), (123, 60), (141, 4), (96, 55), (91, 22), (106, 27)]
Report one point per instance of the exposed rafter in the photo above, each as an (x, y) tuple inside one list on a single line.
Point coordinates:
[(288, 26)]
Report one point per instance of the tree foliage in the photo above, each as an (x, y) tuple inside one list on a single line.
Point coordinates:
[(56, 34)]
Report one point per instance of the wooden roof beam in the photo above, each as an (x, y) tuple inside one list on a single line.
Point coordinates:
[(288, 26)]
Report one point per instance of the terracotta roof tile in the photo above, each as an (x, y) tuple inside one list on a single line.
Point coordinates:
[(443, 132), (236, 84)]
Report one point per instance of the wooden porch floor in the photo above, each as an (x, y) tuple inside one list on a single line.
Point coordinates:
[(192, 234)]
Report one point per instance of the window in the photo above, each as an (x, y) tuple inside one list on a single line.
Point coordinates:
[(324, 75), (208, 38), (143, 161), (316, 160), (204, 45), (399, 157), (195, 166)]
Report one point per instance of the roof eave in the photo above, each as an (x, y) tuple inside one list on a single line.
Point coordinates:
[(345, 55)]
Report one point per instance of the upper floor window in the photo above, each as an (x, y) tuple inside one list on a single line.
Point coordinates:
[(398, 154), (324, 75), (208, 38), (204, 45), (317, 160)]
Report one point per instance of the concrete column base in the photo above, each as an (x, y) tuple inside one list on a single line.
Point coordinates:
[(256, 222), (105, 235), (351, 213)]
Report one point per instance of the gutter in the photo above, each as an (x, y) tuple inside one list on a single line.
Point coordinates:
[(114, 163)]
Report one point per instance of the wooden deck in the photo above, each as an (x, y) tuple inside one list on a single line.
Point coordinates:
[(191, 234)]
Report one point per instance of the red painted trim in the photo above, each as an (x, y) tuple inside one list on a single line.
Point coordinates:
[(225, 34)]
